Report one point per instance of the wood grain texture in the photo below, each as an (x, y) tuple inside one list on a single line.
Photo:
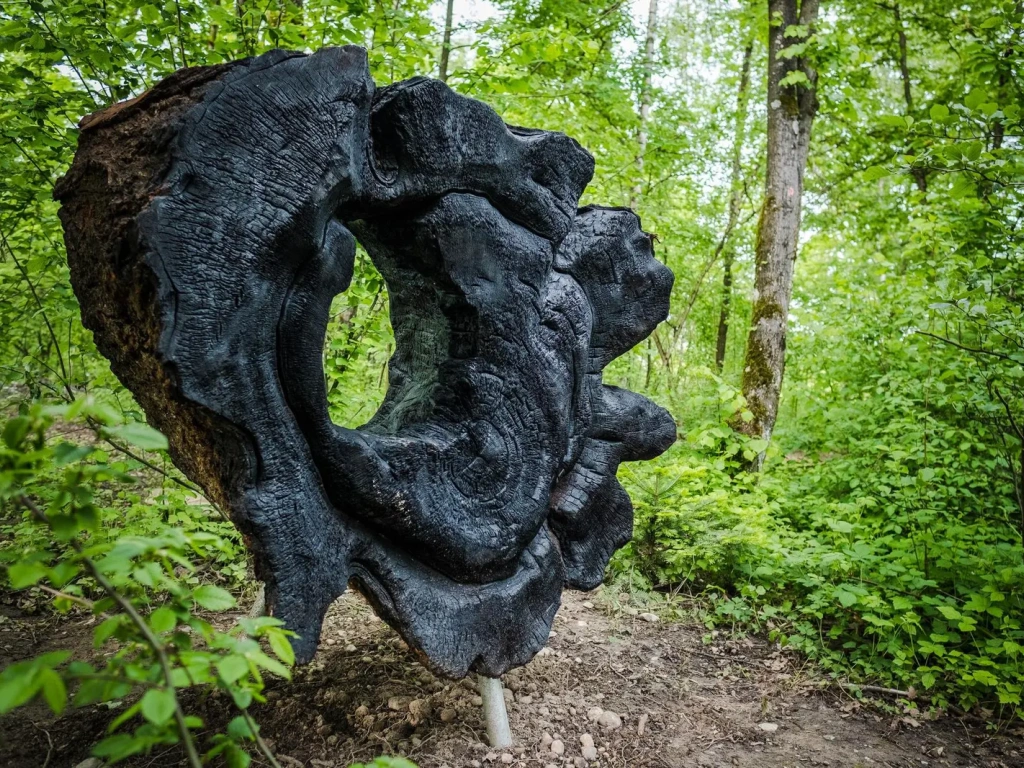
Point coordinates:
[(210, 222)]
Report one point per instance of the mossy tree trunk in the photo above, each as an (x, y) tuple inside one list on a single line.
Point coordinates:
[(792, 104)]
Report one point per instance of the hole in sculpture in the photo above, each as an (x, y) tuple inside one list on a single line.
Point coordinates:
[(357, 346)]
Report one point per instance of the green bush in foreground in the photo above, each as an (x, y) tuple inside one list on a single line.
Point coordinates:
[(72, 536)]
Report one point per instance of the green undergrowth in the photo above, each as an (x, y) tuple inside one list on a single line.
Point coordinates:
[(867, 557)]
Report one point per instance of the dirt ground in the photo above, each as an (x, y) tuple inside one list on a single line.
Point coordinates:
[(647, 692)]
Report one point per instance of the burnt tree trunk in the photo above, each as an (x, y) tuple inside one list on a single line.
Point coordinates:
[(209, 224), (735, 195), (792, 104)]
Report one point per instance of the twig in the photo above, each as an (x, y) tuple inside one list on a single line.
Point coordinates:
[(259, 739), (943, 339), (144, 629), (877, 689), (49, 740), (73, 598)]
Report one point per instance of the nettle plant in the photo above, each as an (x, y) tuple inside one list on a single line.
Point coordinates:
[(75, 537)]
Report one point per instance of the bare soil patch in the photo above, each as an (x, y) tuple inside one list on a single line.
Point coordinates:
[(647, 693)]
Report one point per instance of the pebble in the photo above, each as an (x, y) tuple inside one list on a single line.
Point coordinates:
[(557, 747), (587, 604), (398, 703), (350, 648), (545, 740), (579, 762), (448, 715), (768, 727), (609, 720), (490, 757), (476, 701), (589, 750), (419, 710), (362, 711), (594, 714), (642, 725), (92, 762), (506, 758), (650, 617)]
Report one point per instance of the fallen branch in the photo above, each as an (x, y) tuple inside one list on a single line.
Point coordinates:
[(909, 694)]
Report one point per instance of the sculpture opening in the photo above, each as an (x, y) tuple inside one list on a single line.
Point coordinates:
[(357, 346), (210, 224)]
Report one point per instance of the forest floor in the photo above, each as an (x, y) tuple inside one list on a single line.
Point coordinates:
[(681, 702)]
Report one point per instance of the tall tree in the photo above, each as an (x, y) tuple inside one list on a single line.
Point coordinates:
[(792, 104), (446, 46), (735, 195), (645, 101)]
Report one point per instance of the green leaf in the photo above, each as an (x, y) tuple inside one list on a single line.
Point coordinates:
[(158, 705), (106, 629), (846, 599), (975, 98), (985, 678), (236, 757), (54, 690), (938, 112), (950, 612), (239, 730), (163, 620), (213, 598), (794, 77), (18, 684), (876, 172), (232, 668), (23, 575), (15, 431), (140, 435), (282, 647)]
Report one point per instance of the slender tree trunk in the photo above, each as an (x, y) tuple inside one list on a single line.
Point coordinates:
[(735, 193), (791, 110), (645, 102), (446, 46), (920, 174)]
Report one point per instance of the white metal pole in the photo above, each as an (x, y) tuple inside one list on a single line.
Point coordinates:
[(495, 715)]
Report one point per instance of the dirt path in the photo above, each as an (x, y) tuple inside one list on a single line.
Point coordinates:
[(681, 703)]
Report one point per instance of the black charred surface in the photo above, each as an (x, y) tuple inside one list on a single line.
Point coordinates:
[(210, 223)]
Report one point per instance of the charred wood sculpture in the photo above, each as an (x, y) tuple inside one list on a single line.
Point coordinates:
[(210, 222)]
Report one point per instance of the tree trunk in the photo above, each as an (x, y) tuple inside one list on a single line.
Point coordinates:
[(920, 174), (735, 192), (446, 46), (645, 103), (791, 110)]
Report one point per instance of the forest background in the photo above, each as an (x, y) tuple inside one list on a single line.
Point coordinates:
[(876, 526)]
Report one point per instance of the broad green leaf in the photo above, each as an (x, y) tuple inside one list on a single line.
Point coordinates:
[(54, 691), (158, 705), (232, 668), (140, 435), (163, 620), (282, 647), (213, 598)]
